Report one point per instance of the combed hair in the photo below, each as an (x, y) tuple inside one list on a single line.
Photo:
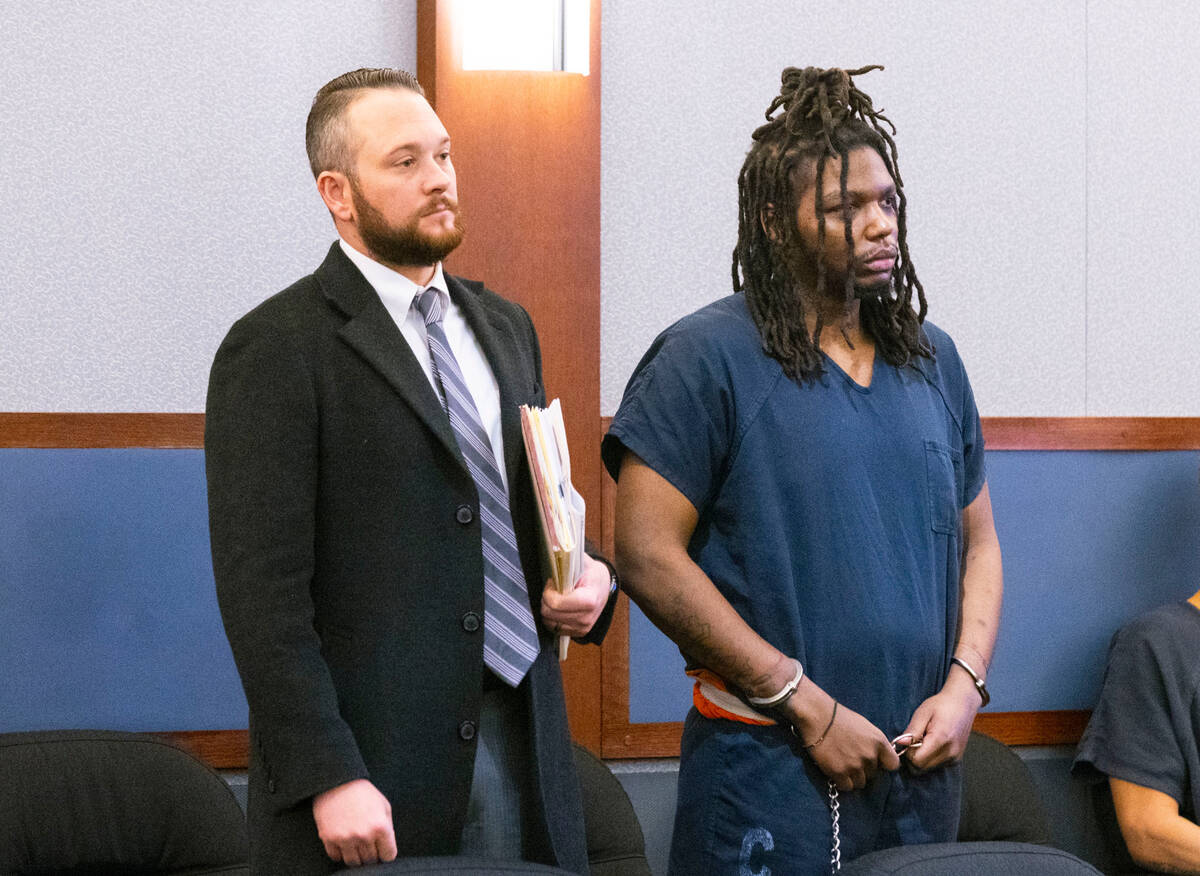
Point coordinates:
[(325, 135), (821, 114)]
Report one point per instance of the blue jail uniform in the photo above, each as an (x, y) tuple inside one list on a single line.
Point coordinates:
[(829, 516)]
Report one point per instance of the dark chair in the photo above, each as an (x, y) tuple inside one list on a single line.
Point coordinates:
[(1003, 828), (1000, 800), (615, 844), (92, 801)]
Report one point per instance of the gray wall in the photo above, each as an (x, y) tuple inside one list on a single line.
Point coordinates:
[(1046, 149), (156, 185)]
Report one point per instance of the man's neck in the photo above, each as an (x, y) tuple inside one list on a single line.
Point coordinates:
[(419, 274), (836, 317), (843, 339)]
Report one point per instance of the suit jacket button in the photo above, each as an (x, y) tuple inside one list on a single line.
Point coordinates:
[(464, 515), (466, 730), (271, 786), (470, 622)]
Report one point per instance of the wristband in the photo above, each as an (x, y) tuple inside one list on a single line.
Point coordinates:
[(825, 733), (979, 685)]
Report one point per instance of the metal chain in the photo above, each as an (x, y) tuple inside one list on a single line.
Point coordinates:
[(835, 847)]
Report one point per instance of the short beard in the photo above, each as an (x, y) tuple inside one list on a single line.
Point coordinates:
[(873, 292), (404, 245), (800, 262)]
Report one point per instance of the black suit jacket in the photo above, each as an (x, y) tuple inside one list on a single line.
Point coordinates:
[(347, 553)]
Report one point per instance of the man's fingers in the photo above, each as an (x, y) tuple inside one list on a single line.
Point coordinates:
[(367, 853), (351, 820), (854, 780), (933, 752), (386, 846)]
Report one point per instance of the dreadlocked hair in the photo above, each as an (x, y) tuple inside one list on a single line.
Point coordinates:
[(817, 115)]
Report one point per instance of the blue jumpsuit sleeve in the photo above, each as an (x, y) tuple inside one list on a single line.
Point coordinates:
[(974, 468), (950, 376), (675, 416)]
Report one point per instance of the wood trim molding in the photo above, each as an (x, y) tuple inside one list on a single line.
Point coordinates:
[(1092, 433), (230, 749), (186, 431), (1011, 728), (1064, 727), (71, 430), (220, 749)]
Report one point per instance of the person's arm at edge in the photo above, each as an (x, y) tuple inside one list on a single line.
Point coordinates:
[(944, 720), (654, 523), (1157, 836)]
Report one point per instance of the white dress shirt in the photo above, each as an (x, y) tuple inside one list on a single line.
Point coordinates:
[(397, 293)]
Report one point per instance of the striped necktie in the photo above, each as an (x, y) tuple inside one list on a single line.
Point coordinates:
[(510, 642)]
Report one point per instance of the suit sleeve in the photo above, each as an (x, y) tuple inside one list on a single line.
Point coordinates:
[(261, 453), (599, 630)]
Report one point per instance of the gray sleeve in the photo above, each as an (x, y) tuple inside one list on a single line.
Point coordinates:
[(1131, 735)]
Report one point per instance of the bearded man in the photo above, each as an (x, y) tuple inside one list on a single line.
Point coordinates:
[(374, 535), (802, 507)]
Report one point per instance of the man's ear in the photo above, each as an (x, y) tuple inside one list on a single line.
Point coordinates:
[(334, 188), (766, 218)]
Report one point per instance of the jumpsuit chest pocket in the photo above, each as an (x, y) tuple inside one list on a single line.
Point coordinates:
[(942, 464)]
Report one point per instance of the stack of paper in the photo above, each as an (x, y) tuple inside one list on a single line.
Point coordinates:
[(560, 507)]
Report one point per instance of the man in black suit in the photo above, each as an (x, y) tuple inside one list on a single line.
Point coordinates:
[(354, 546)]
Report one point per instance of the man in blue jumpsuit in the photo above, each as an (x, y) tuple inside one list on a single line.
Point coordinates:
[(802, 507)]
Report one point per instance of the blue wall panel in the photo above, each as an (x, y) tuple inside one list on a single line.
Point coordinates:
[(110, 618), (106, 594), (1090, 539)]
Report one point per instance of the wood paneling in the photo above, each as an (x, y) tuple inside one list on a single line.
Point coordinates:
[(220, 749), (186, 430), (1092, 433), (229, 749), (1034, 728), (526, 149), (1013, 728), (66, 430)]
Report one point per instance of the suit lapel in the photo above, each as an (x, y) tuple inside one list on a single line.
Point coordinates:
[(371, 331), (499, 348)]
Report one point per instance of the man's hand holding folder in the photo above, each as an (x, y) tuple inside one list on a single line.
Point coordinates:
[(578, 586)]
